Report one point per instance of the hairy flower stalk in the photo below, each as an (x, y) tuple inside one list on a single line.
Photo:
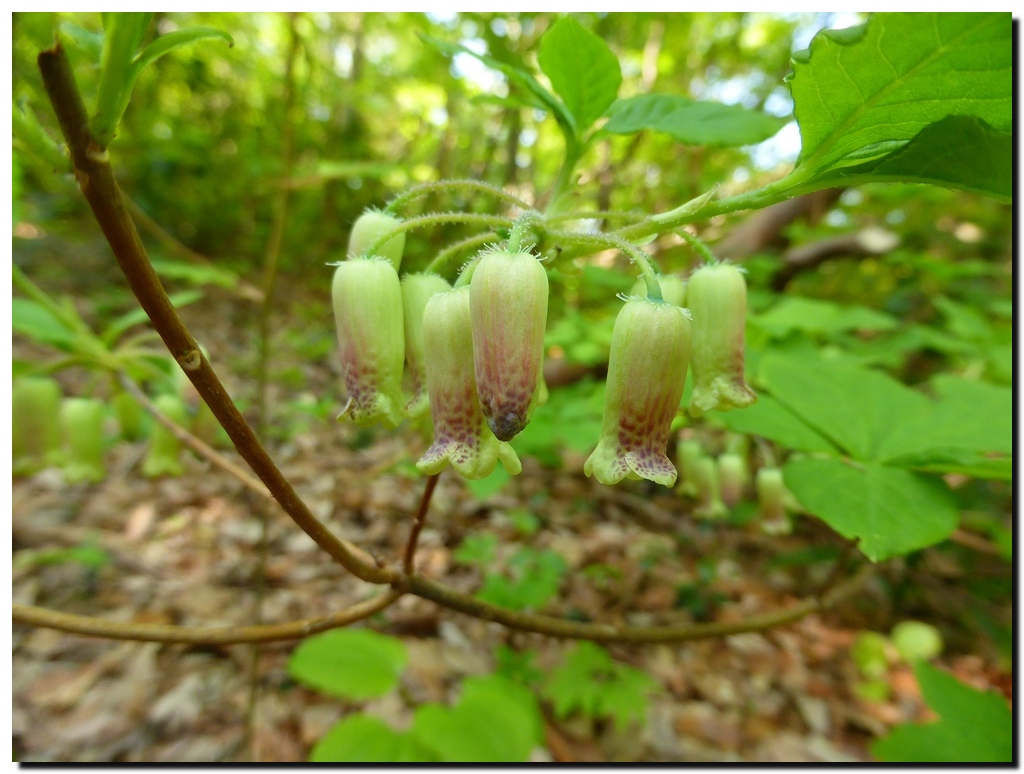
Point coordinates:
[(370, 227), (509, 293), (650, 352), (371, 340), (461, 435), (417, 289), (717, 297)]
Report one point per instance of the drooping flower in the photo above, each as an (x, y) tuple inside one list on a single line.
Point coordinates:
[(35, 424), (646, 371), (417, 290), (510, 306), (371, 341), (717, 298), (163, 457), (732, 477), (709, 493), (688, 453), (370, 226), (771, 499), (82, 423), (461, 435)]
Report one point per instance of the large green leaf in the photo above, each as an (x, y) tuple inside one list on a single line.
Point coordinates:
[(582, 69), (794, 313), (864, 98), (495, 721), (768, 419), (691, 122), (853, 406), (967, 415), (957, 151), (975, 726), (350, 663), (366, 739), (888, 510)]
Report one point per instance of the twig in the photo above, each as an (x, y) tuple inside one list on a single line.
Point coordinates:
[(205, 635), (96, 181), (417, 527), (197, 445), (970, 540)]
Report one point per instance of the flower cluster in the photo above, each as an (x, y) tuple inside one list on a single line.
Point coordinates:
[(472, 356)]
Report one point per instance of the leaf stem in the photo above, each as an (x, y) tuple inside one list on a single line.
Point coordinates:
[(400, 201), (436, 218)]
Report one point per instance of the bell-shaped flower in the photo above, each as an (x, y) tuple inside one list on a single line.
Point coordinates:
[(371, 341), (717, 298), (82, 424), (35, 424), (163, 457), (732, 477), (370, 227), (510, 308), (461, 435), (646, 371), (772, 503), (417, 290), (673, 289)]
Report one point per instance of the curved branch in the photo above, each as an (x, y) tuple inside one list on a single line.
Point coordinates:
[(557, 627), (96, 181), (88, 626)]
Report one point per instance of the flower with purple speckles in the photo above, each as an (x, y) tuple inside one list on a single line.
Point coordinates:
[(417, 289), (510, 308), (371, 341), (717, 298), (646, 371), (461, 435)]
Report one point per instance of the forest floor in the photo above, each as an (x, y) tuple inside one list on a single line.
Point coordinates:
[(183, 551)]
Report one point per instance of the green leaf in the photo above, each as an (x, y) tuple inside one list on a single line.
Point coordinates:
[(692, 122), (350, 663), (172, 40), (854, 407), (478, 549), (582, 69), (969, 416), (793, 313), (928, 102), (535, 578), (38, 323), (366, 739), (518, 75), (861, 95), (197, 274), (122, 34), (494, 721), (591, 683), (975, 726), (768, 419), (134, 317), (957, 151), (888, 510)]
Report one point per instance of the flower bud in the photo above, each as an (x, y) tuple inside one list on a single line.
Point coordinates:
[(461, 436), (673, 289), (717, 299), (130, 416), (709, 494), (163, 457), (771, 500), (35, 424), (371, 341), (82, 422), (647, 365), (688, 452), (732, 476), (417, 289), (509, 293), (368, 229)]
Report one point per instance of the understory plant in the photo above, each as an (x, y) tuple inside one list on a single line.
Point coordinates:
[(455, 341)]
